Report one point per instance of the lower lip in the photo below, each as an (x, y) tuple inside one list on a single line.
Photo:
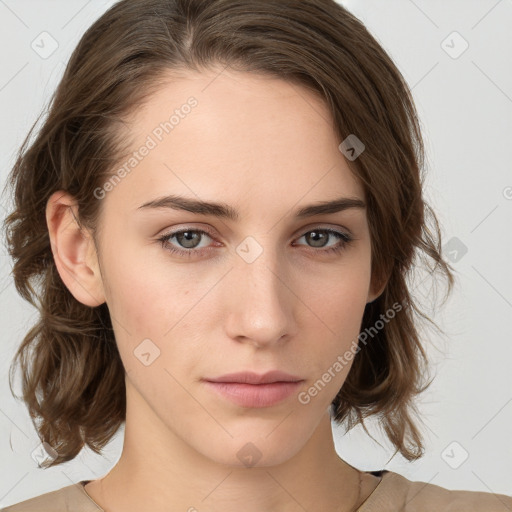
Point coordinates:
[(255, 395)]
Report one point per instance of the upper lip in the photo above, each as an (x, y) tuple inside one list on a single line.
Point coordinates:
[(255, 378)]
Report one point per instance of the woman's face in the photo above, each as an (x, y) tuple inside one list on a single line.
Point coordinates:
[(262, 289)]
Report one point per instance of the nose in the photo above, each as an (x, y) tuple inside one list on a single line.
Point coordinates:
[(260, 305)]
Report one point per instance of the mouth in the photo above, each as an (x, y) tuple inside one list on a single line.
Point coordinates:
[(254, 395), (248, 389), (255, 378)]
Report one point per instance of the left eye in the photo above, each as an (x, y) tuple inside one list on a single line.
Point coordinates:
[(189, 240), (319, 236)]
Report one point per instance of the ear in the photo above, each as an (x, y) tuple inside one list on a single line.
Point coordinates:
[(376, 290), (73, 250)]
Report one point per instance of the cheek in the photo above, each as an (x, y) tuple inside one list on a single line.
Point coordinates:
[(140, 286), (339, 305), (161, 303), (339, 298)]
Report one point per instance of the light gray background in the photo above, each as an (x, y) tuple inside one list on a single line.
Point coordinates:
[(465, 105)]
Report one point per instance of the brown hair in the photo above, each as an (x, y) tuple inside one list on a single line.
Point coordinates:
[(73, 377)]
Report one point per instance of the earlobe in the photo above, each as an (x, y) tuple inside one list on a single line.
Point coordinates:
[(373, 295), (73, 250)]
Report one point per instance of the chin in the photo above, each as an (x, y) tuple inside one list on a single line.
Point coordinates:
[(255, 451)]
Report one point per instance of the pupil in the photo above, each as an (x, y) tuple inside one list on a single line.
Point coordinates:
[(317, 236), (187, 237)]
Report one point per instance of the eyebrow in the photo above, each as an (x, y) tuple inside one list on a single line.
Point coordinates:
[(225, 211)]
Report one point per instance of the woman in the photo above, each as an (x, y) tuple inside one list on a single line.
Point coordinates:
[(224, 200)]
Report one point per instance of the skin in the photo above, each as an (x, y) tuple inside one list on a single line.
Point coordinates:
[(265, 147)]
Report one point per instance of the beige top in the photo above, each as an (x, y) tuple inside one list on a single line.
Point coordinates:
[(394, 493)]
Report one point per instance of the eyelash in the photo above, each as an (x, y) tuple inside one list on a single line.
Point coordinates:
[(345, 241)]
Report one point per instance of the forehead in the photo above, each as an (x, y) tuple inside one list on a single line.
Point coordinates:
[(240, 136)]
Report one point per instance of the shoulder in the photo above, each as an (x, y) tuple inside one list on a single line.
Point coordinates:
[(67, 499), (397, 493)]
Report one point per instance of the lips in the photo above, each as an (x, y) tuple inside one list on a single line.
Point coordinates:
[(255, 378), (248, 389)]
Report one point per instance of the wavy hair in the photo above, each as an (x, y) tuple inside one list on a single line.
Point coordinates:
[(72, 375)]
